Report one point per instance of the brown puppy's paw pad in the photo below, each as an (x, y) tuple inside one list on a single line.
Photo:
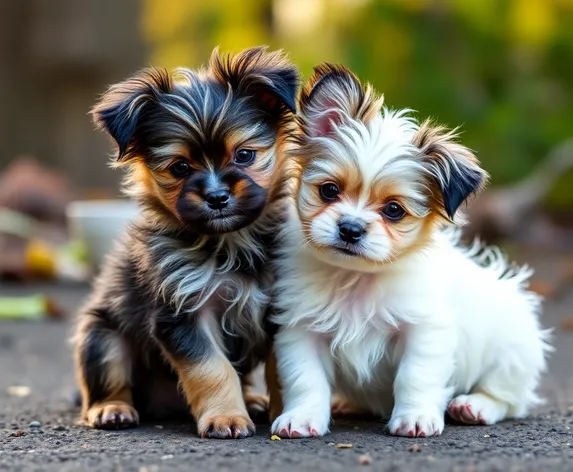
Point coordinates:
[(257, 404), (226, 427), (112, 415)]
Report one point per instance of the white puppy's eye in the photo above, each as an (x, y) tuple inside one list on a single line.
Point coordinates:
[(393, 211), (329, 191)]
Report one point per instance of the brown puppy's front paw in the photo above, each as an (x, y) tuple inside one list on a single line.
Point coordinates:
[(257, 405), (226, 427), (112, 415)]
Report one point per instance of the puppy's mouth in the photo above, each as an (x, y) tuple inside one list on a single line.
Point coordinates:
[(220, 216), (227, 222), (347, 250)]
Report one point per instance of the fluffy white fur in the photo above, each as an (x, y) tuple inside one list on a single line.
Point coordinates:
[(405, 334)]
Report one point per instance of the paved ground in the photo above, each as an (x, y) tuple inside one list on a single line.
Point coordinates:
[(36, 354)]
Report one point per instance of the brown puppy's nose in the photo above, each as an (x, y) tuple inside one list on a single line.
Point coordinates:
[(218, 199)]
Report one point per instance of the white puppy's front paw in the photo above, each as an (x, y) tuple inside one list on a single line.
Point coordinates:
[(417, 424), (300, 424), (477, 408)]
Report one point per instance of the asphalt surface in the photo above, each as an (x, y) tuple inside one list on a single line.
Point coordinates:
[(37, 355)]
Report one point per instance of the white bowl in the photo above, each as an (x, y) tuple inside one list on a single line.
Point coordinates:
[(98, 223)]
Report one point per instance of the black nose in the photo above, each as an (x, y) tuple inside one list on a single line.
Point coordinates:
[(351, 232), (218, 199)]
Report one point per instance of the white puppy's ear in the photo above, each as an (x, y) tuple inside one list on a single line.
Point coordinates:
[(454, 169), (330, 97)]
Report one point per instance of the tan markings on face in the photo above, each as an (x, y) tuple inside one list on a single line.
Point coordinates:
[(426, 227), (383, 193), (168, 188), (320, 211), (173, 152), (160, 183), (262, 169), (311, 206), (351, 184), (192, 197), (239, 188)]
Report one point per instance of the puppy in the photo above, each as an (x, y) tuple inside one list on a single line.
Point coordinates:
[(183, 296), (374, 295)]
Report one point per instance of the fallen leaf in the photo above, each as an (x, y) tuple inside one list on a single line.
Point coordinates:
[(343, 446), (18, 391), (18, 433), (274, 437), (364, 460), (414, 448)]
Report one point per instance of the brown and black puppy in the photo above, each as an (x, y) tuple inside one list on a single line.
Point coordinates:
[(182, 299)]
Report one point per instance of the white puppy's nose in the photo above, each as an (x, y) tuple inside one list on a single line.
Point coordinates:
[(351, 232)]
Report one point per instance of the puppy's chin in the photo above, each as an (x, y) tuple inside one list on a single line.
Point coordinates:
[(224, 223), (348, 260)]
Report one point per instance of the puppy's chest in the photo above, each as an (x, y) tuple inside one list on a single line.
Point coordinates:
[(362, 327), (367, 355), (220, 283)]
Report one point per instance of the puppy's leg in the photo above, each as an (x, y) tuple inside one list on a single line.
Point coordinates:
[(342, 407), (208, 380), (477, 408), (508, 390), (305, 369), (420, 385), (103, 368), (273, 387), (257, 403)]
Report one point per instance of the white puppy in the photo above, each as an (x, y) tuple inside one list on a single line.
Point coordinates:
[(375, 297)]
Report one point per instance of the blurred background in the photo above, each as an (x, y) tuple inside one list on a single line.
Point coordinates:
[(502, 70)]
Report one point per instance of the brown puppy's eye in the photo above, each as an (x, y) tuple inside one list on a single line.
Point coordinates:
[(393, 211), (329, 191), (245, 157), (180, 169)]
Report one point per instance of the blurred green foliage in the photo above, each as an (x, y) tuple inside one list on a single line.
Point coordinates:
[(501, 69)]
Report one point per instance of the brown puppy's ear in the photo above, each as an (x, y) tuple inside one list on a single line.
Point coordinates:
[(332, 95), (267, 78), (122, 105), (454, 169)]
